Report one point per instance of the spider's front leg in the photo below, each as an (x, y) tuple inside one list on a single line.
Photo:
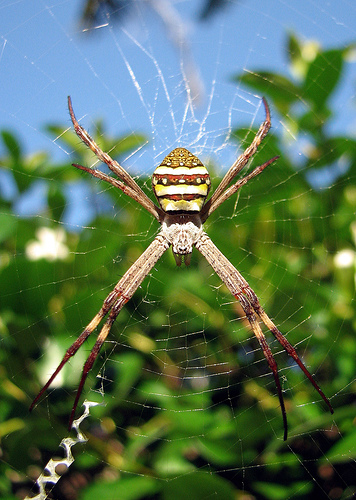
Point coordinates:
[(114, 302), (124, 182)]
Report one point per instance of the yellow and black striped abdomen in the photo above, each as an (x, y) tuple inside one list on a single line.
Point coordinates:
[(181, 182)]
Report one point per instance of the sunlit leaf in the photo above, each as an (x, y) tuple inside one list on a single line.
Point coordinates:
[(322, 77), (279, 88)]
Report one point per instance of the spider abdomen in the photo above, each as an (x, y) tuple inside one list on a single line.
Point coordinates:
[(181, 182)]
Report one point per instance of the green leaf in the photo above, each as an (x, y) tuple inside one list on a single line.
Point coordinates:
[(56, 200), (280, 89), (343, 450), (275, 491), (123, 489), (301, 54), (117, 145), (218, 452), (12, 145), (130, 366), (294, 50), (8, 225), (199, 486), (322, 77)]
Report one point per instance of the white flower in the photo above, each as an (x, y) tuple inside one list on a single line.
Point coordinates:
[(344, 258), (50, 245)]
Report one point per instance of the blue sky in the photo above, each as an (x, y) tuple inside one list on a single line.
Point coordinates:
[(130, 74)]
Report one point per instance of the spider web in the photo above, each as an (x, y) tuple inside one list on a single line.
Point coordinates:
[(188, 405)]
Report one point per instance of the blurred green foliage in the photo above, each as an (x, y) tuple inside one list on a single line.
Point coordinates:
[(190, 408)]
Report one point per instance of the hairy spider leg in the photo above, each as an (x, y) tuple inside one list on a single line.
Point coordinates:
[(127, 184), (235, 187), (115, 301), (216, 199), (242, 291)]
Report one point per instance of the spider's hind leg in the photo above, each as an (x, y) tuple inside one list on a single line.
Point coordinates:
[(290, 350)]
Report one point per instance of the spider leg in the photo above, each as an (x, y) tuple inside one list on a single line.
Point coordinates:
[(211, 206), (75, 346), (94, 353), (291, 351), (250, 315), (124, 188), (239, 164), (115, 301), (241, 290), (114, 166)]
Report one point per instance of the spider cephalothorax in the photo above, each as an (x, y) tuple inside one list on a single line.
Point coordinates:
[(181, 184)]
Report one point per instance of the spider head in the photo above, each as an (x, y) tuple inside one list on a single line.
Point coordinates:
[(181, 183), (182, 232)]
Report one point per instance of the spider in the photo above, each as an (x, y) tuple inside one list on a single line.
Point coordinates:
[(181, 185)]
